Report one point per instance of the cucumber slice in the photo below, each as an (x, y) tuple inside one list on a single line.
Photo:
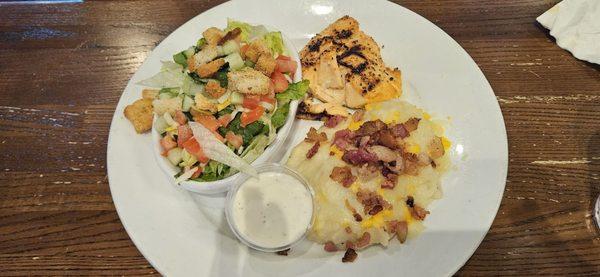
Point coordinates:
[(160, 125), (175, 156), (169, 120), (187, 159), (230, 47), (180, 58), (188, 103), (190, 52), (235, 61)]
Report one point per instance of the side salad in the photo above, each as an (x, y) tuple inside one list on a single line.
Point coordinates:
[(237, 84)]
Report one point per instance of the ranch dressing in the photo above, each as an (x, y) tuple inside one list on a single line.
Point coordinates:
[(273, 210)]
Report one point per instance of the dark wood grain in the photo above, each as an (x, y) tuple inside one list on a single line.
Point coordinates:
[(64, 66)]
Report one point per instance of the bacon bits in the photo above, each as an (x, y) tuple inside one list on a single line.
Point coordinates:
[(412, 124), (313, 150), (342, 139), (330, 247), (418, 212), (355, 214), (436, 148), (359, 157), (372, 202), (342, 175), (363, 241), (387, 139), (333, 121), (314, 136), (370, 127), (349, 256), (399, 130)]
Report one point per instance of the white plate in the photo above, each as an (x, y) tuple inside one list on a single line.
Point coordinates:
[(181, 236)]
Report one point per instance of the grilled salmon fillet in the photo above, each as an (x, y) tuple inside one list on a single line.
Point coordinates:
[(344, 67)]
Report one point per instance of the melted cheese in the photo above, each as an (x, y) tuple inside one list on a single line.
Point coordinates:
[(414, 148), (446, 143), (336, 151), (224, 104), (377, 220), (355, 125)]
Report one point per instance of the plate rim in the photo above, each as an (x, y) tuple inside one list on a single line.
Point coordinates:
[(502, 124)]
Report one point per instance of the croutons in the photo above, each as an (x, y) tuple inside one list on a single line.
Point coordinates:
[(140, 115), (208, 69), (256, 48), (213, 35), (207, 54), (214, 89), (249, 81), (204, 104), (162, 106), (149, 94), (265, 64)]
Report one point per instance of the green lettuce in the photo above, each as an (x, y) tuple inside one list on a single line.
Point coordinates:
[(275, 42), (294, 91), (245, 27), (279, 116)]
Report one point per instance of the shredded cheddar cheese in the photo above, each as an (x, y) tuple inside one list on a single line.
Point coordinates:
[(224, 104), (446, 143), (414, 148), (355, 125), (336, 151)]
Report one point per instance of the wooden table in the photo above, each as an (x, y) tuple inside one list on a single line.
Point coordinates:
[(63, 68)]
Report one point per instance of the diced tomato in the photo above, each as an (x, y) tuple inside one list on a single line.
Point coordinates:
[(168, 143), (180, 117), (235, 140), (184, 132), (208, 121), (279, 81), (285, 65), (197, 173), (225, 119), (251, 102), (193, 147), (267, 98), (251, 116)]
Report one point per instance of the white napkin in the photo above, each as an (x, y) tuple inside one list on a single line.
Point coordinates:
[(576, 26)]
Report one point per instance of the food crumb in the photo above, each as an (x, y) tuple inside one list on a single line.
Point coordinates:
[(283, 252), (349, 256)]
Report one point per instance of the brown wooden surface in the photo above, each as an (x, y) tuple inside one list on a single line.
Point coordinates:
[(63, 68)]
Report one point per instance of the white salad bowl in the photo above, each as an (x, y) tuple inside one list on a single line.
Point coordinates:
[(272, 153)]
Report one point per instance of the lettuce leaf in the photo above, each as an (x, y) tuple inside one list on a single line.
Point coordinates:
[(280, 115), (294, 91), (170, 76), (275, 42), (216, 150), (255, 149), (245, 27)]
